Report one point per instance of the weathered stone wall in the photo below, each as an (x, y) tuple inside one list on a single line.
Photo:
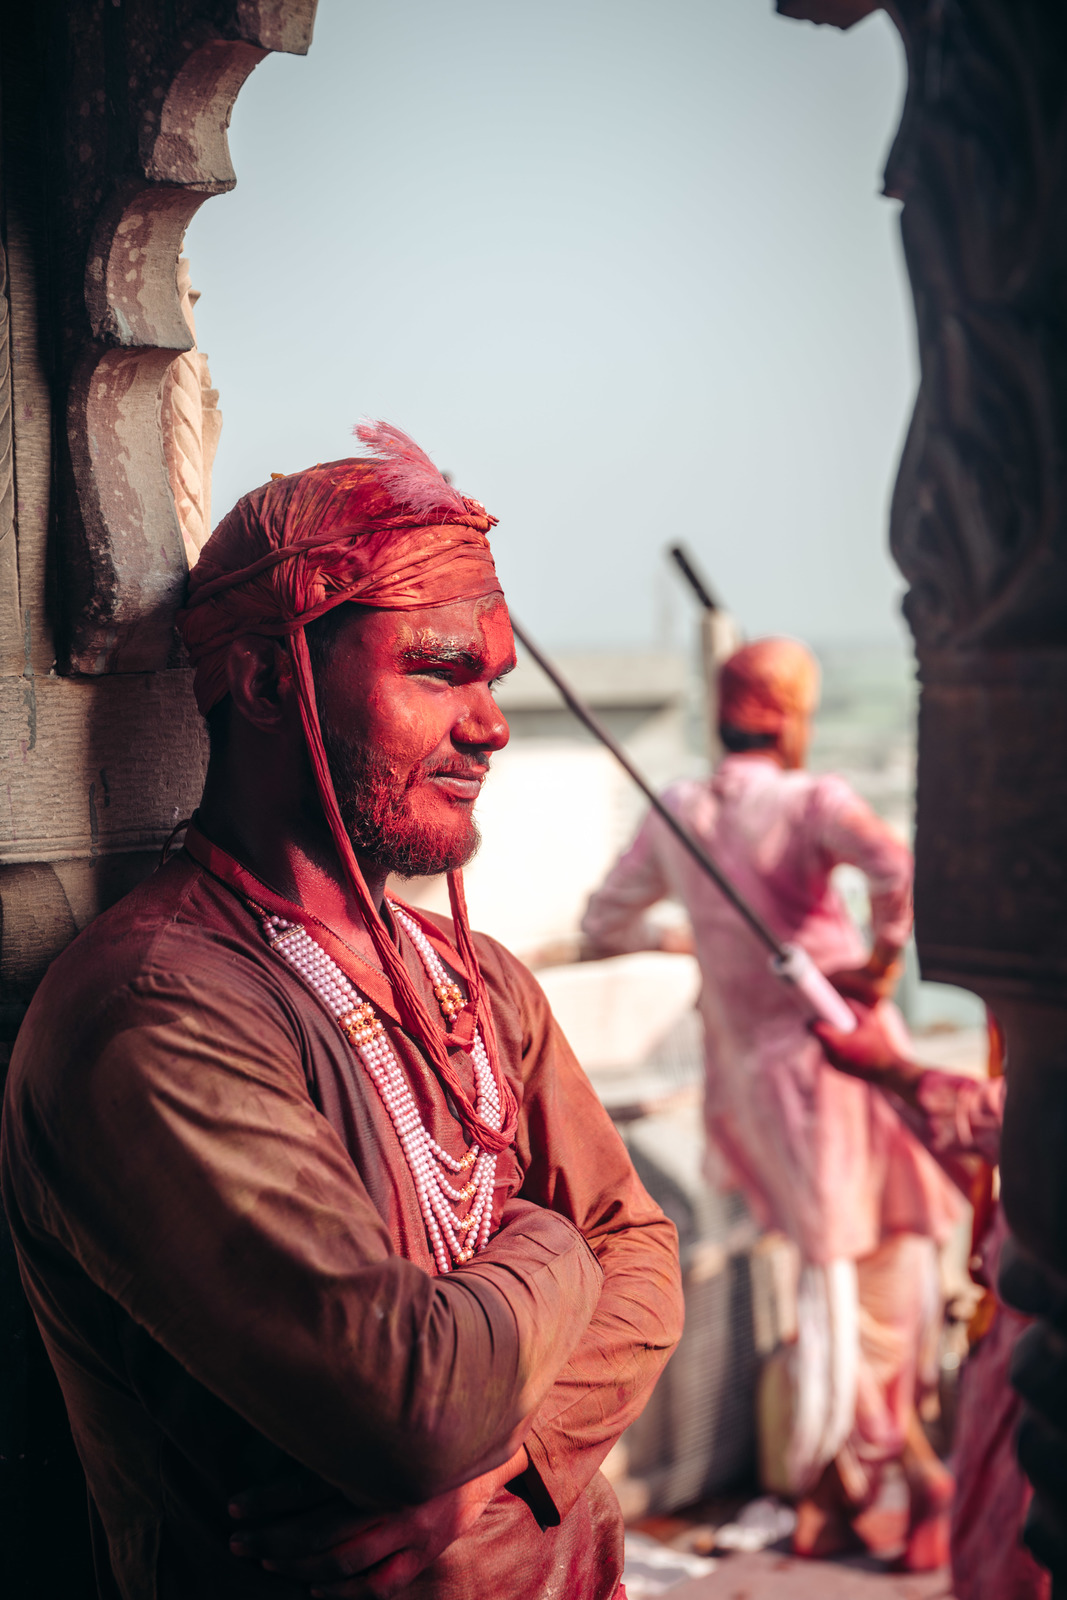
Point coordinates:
[(113, 133)]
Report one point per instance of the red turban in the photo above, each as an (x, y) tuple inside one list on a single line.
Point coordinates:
[(766, 684), (387, 531)]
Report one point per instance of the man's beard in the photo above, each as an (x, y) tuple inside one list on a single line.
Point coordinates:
[(375, 805)]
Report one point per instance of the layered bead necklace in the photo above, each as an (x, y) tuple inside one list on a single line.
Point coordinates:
[(453, 1238)]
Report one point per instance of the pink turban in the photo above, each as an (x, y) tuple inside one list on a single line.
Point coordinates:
[(387, 531), (766, 684)]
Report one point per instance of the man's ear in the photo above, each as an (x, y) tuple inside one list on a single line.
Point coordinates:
[(259, 672)]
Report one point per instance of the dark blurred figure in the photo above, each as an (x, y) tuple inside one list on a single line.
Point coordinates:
[(959, 1120), (1039, 1373)]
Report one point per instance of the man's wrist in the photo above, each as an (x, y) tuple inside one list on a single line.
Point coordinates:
[(903, 1079), (883, 958)]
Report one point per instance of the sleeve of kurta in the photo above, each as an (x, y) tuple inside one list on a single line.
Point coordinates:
[(958, 1116), (576, 1163), (847, 830), (615, 923), (181, 1162)]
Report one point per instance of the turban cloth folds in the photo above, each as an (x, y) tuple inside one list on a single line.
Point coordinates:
[(386, 531), (766, 684), (291, 551)]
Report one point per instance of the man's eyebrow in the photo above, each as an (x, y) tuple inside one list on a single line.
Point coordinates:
[(443, 655)]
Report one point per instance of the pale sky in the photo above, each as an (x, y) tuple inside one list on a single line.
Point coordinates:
[(621, 266)]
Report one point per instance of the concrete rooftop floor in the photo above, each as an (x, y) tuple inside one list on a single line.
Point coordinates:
[(775, 1574)]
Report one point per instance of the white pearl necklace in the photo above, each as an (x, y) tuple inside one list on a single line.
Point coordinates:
[(454, 1239)]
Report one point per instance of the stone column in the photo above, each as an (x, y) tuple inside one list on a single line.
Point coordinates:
[(192, 423), (112, 132), (979, 528)]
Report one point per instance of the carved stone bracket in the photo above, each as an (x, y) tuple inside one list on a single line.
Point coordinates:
[(192, 423), (126, 214)]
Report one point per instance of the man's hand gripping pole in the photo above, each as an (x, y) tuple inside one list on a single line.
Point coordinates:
[(814, 991)]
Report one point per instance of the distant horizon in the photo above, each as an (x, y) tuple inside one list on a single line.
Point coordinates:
[(898, 641)]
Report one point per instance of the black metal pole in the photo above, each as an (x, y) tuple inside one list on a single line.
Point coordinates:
[(598, 730), (687, 567)]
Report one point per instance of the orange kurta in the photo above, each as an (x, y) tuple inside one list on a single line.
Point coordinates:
[(222, 1245)]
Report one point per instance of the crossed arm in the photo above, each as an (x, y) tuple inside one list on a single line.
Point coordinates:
[(576, 1167)]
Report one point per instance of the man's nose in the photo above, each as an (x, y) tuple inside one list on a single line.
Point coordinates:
[(482, 725)]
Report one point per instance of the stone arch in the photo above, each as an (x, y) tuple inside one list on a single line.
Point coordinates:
[(124, 548)]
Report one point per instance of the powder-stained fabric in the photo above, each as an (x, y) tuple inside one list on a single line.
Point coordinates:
[(822, 1156), (223, 1246), (958, 1119)]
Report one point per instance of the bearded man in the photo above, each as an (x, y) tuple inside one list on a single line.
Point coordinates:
[(347, 1279), (824, 1159)]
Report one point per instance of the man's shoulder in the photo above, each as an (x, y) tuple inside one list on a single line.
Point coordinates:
[(180, 938), (799, 784), (692, 799), (685, 791), (178, 906), (831, 793), (180, 960)]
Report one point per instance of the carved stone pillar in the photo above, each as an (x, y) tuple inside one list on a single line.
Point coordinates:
[(192, 423), (979, 528), (113, 132)]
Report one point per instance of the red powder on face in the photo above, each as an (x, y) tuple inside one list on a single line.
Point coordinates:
[(409, 723), (388, 532)]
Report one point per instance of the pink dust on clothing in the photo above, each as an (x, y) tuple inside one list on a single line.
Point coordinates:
[(989, 1560), (958, 1118), (823, 1157)]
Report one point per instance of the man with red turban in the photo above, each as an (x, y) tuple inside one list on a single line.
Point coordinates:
[(347, 1279), (822, 1158)]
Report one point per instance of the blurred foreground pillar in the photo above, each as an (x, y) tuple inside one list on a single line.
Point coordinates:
[(979, 528)]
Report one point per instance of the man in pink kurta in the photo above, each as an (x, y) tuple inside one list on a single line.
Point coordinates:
[(822, 1158)]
